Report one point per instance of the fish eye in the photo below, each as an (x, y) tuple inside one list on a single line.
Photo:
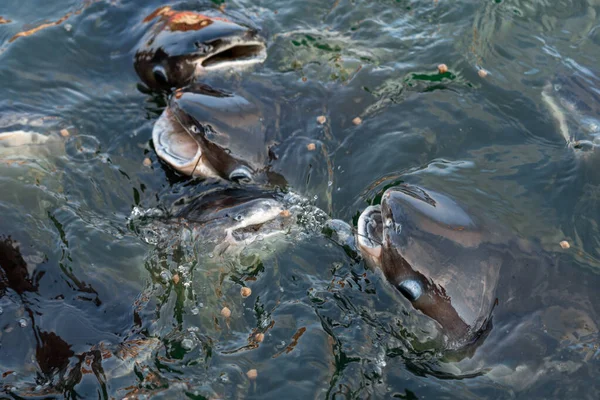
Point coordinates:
[(411, 289), (241, 175), (160, 75)]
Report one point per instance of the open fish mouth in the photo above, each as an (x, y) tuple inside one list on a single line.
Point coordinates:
[(369, 232), (174, 145), (238, 53), (182, 45)]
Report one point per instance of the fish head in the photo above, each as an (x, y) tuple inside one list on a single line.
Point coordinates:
[(182, 45), (436, 256), (212, 133)]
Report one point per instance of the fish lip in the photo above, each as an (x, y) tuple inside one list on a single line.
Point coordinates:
[(257, 53)]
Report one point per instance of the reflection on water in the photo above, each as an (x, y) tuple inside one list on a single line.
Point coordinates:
[(88, 309)]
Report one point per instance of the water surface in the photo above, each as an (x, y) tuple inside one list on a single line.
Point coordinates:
[(100, 313)]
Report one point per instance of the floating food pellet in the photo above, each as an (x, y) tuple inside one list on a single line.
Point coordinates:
[(147, 162), (259, 337), (176, 279), (64, 133), (304, 79), (285, 213), (321, 119), (311, 146), (482, 73), (252, 374), (443, 68), (226, 312), (564, 244), (245, 291), (357, 121)]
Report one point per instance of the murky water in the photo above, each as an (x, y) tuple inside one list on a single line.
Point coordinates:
[(511, 130)]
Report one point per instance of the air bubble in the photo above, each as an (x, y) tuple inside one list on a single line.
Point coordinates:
[(23, 323), (195, 311)]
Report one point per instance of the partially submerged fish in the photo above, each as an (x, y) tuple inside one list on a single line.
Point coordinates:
[(182, 45), (573, 102), (212, 133), (26, 139), (445, 263), (228, 221)]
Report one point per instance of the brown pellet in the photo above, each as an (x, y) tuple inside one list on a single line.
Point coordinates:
[(252, 374)]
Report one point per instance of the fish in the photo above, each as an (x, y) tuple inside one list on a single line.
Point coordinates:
[(229, 220), (571, 100), (444, 262), (213, 133), (179, 46)]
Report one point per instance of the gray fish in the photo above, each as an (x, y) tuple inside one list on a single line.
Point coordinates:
[(181, 45), (445, 263), (229, 221), (573, 103), (212, 133)]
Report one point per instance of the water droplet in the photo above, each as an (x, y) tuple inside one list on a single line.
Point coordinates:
[(23, 323), (187, 344), (165, 276)]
